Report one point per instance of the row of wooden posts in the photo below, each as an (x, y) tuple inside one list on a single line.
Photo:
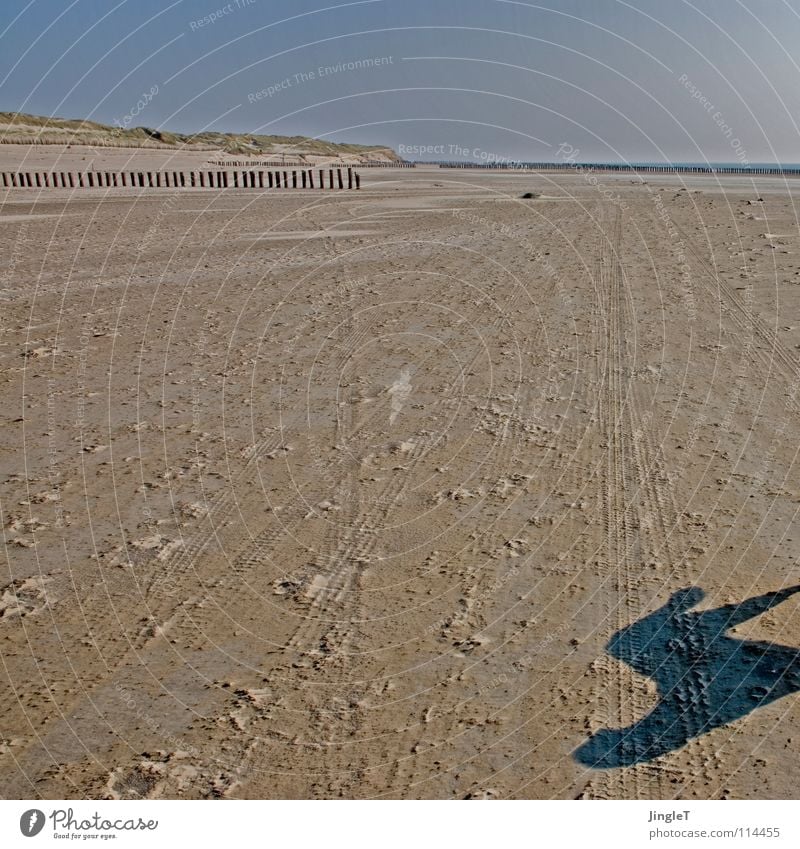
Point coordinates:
[(777, 170), (295, 179)]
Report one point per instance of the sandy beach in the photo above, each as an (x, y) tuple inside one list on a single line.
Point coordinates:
[(347, 494)]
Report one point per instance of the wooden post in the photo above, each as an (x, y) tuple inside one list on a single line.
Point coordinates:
[(294, 179), (358, 180), (311, 178), (321, 178), (285, 180), (305, 177), (349, 178), (339, 178), (330, 178)]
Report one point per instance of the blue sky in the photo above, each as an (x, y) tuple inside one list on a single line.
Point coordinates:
[(639, 80)]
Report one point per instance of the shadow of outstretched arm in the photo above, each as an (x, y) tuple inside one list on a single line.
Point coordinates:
[(704, 677), (730, 615)]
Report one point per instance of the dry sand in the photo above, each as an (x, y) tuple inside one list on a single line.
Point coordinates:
[(343, 494)]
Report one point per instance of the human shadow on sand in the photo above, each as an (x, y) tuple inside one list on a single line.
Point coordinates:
[(704, 677)]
